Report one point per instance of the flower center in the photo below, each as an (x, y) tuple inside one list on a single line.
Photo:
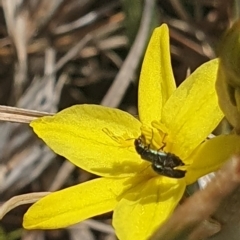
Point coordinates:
[(153, 146), (163, 163)]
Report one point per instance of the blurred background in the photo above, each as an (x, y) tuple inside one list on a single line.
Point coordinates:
[(57, 53)]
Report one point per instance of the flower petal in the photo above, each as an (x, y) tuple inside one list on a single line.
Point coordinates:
[(146, 206), (74, 204), (228, 95), (228, 84), (156, 81), (87, 135), (210, 156), (192, 112)]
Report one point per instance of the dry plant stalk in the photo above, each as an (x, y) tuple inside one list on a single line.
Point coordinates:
[(19, 115), (20, 200)]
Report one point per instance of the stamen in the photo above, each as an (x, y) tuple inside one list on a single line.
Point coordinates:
[(123, 141), (153, 137), (160, 126)]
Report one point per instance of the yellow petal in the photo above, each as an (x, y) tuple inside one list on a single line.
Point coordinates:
[(210, 156), (146, 206), (86, 136), (192, 112), (74, 204), (156, 81)]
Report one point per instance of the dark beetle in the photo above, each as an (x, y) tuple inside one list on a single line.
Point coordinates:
[(162, 163)]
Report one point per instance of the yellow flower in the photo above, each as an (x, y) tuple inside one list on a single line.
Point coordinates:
[(101, 140)]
